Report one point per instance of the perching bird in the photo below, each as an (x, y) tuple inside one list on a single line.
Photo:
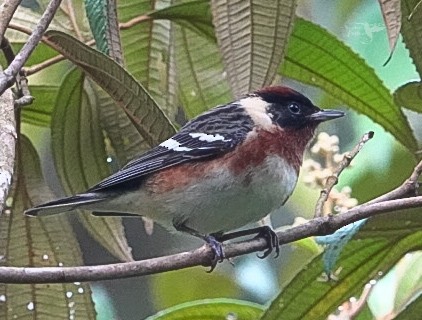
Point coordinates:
[(228, 167)]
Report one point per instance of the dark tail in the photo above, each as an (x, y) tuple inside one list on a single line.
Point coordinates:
[(65, 204)]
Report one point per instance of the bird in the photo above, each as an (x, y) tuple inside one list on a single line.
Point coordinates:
[(226, 168)]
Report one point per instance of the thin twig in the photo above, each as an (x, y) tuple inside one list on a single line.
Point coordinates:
[(201, 256), (333, 179), (46, 63), (133, 22), (7, 9), (7, 77)]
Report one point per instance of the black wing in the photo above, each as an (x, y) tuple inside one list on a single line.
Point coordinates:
[(213, 133)]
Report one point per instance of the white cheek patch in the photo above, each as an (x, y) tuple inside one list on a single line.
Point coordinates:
[(257, 110), (172, 144), (209, 137)]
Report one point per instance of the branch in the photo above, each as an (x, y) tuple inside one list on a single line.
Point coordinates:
[(333, 179), (7, 144), (7, 77), (7, 9), (201, 256)]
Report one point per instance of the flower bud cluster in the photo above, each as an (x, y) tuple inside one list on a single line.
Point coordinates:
[(327, 149)]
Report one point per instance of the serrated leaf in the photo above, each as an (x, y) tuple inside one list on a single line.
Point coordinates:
[(143, 111), (391, 14), (102, 17), (149, 53), (316, 57), (307, 297), (252, 36), (201, 79), (412, 31), (80, 157), (211, 309), (38, 242), (409, 96), (125, 140)]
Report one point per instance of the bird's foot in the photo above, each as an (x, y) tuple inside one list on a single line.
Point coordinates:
[(272, 241), (217, 248), (260, 232)]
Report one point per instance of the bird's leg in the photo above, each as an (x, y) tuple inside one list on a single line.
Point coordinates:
[(264, 231), (216, 245)]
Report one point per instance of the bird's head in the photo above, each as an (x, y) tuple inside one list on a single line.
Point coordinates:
[(292, 110), (286, 117)]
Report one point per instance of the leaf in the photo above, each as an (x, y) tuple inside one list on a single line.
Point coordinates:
[(149, 52), (409, 280), (399, 224), (38, 242), (80, 158), (318, 58), (252, 36), (306, 297), (39, 112), (102, 17), (412, 311), (412, 30), (409, 96), (210, 309), (216, 285), (391, 14), (194, 15), (201, 79), (125, 140), (143, 111)]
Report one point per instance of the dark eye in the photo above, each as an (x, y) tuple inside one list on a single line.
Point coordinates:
[(294, 108)]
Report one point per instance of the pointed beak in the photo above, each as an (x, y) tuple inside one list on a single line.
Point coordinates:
[(324, 115)]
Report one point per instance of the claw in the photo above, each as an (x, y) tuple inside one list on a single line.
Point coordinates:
[(217, 248), (272, 242)]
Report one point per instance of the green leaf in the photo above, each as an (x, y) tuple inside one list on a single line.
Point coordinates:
[(194, 15), (316, 57), (124, 140), (39, 112), (80, 157), (215, 285), (399, 224), (252, 36), (307, 297), (201, 80), (409, 96), (143, 111), (149, 52), (409, 280), (102, 17), (38, 242), (412, 311), (211, 309), (411, 31)]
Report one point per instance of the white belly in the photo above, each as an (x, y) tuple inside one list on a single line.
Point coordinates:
[(221, 203)]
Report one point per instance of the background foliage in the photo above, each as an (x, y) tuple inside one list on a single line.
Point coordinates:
[(167, 62)]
